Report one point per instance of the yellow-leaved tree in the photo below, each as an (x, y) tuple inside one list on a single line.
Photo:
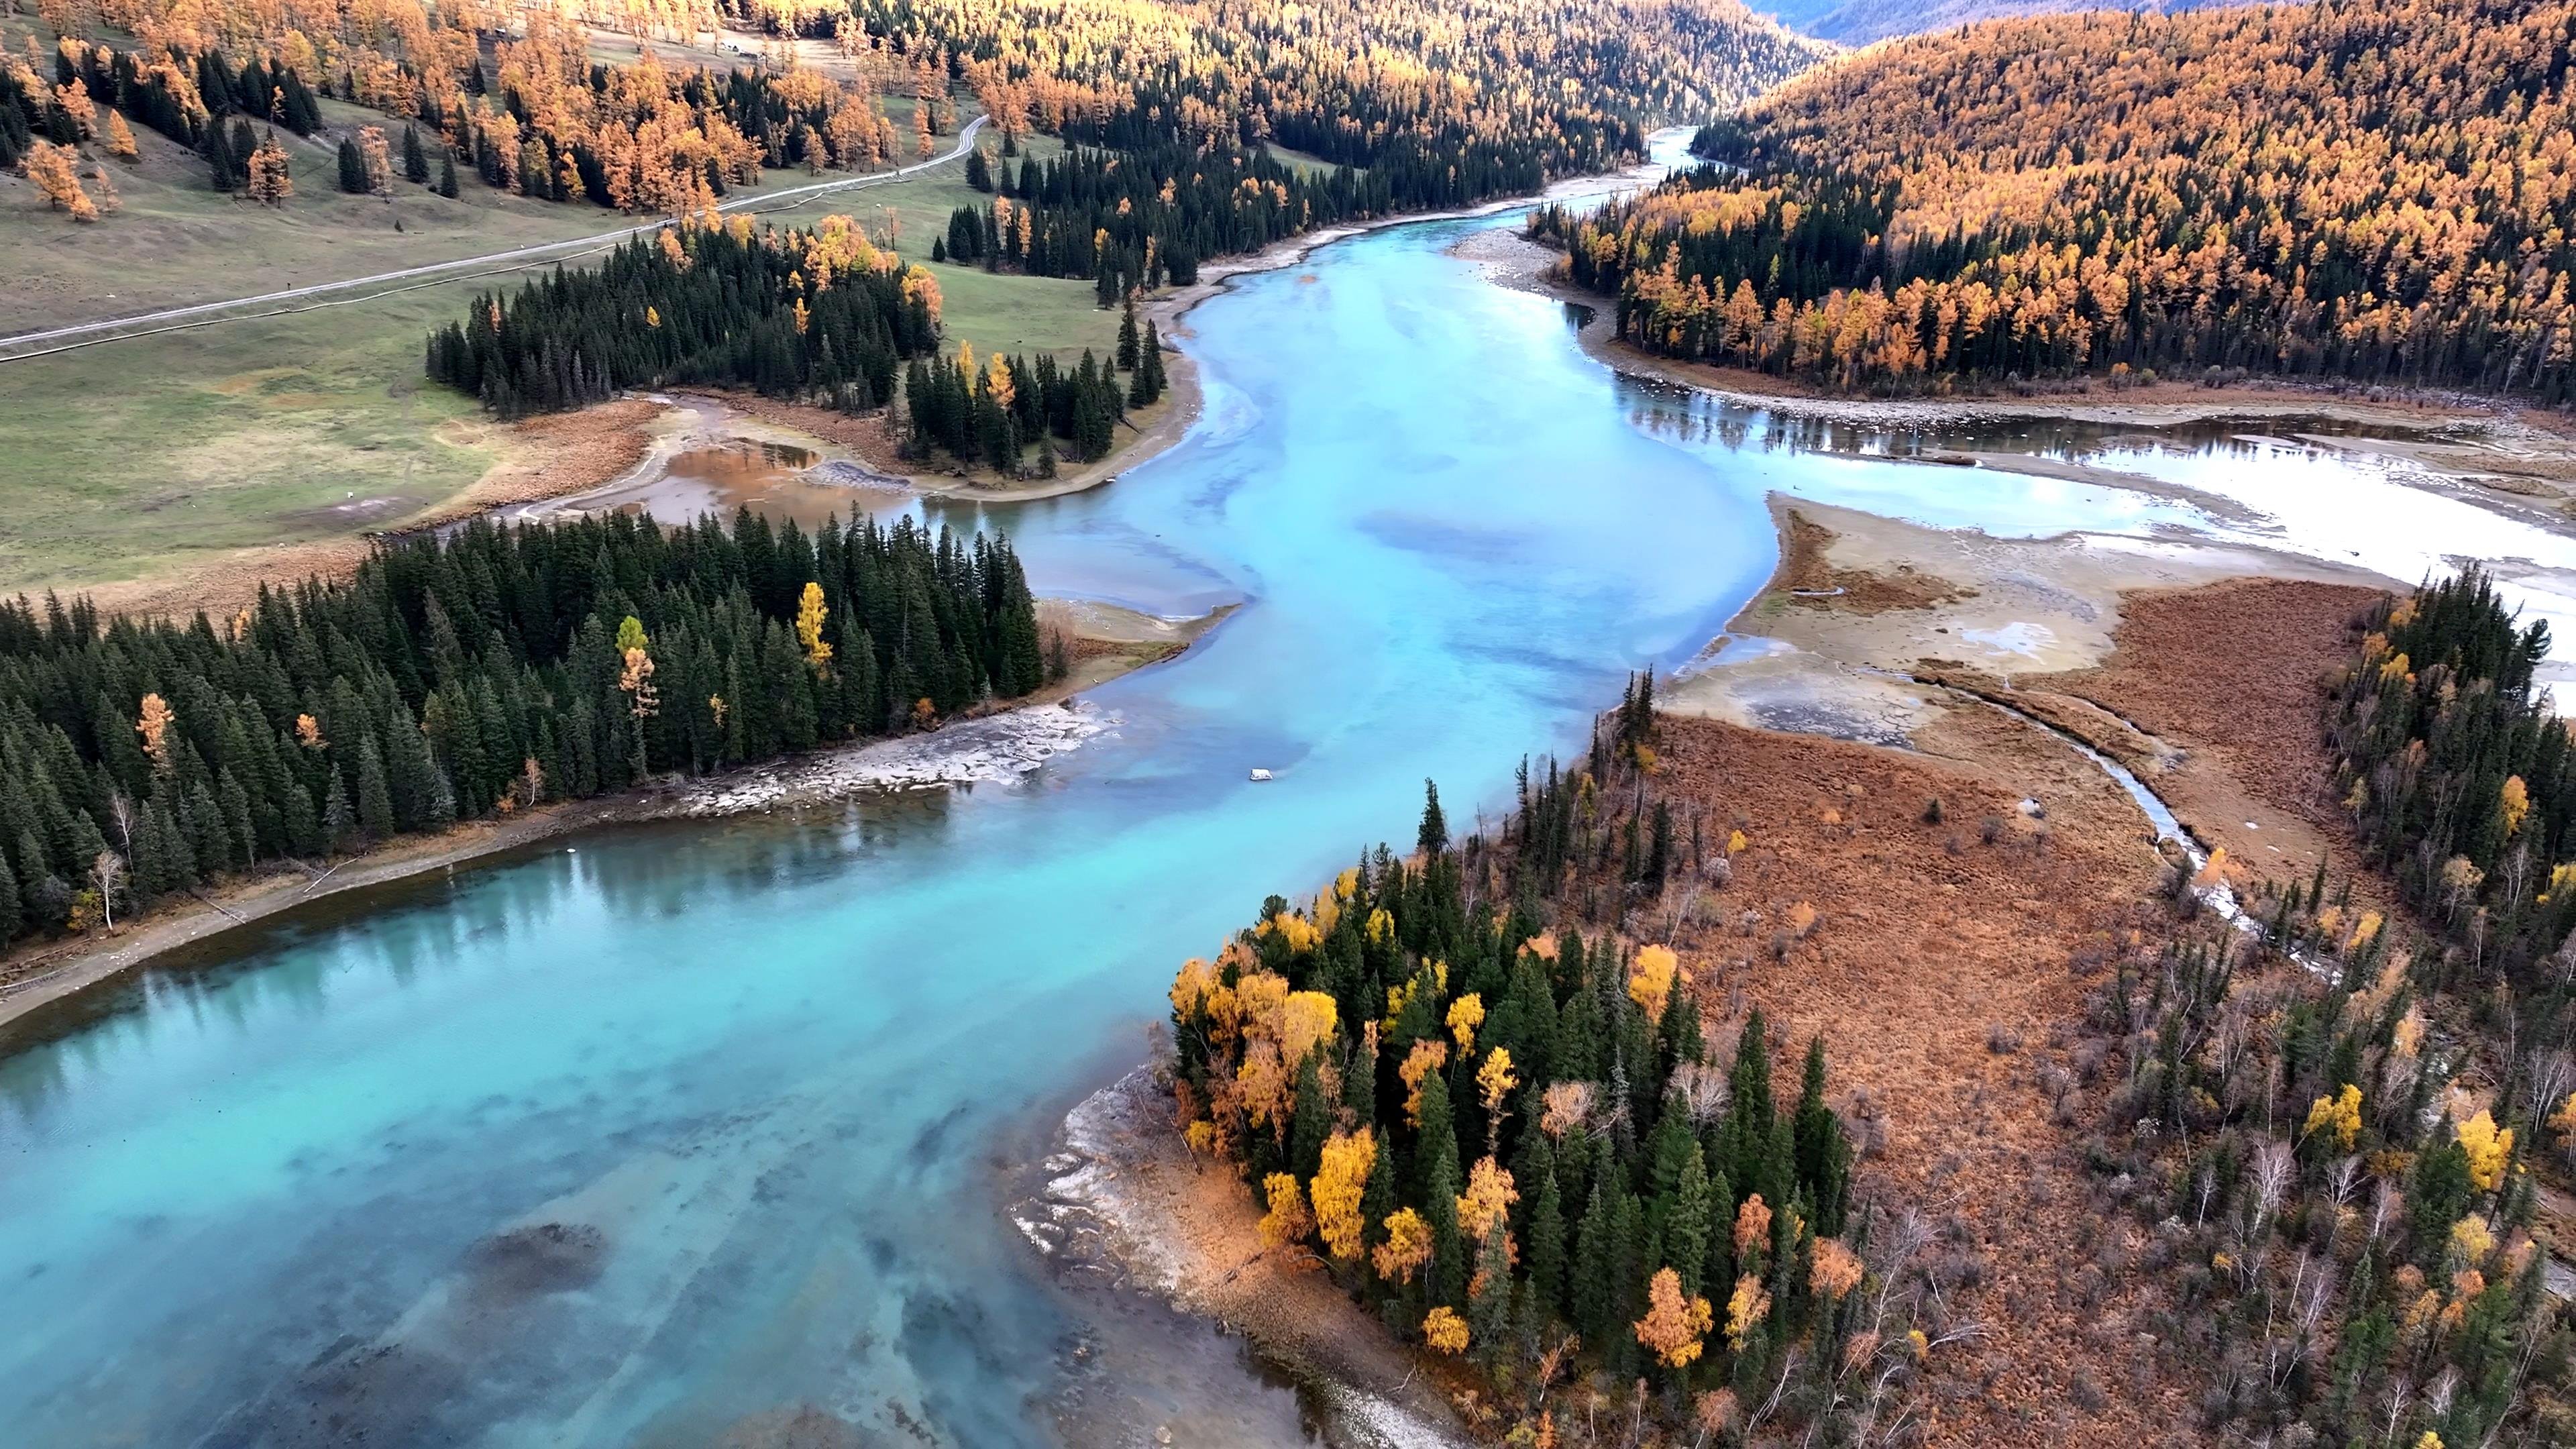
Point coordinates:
[(810, 615), (2338, 1117), (1341, 1180), (2489, 1147), (1445, 1331), (1674, 1324), (1489, 1199), (1650, 979), (1745, 1309), (1287, 1221), (153, 722), (1407, 1246), (1465, 1015)]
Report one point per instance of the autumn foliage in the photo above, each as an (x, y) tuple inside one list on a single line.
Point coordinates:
[(2229, 188), (1514, 1142)]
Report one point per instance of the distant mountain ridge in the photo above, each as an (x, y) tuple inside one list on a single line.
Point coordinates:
[(1858, 22)]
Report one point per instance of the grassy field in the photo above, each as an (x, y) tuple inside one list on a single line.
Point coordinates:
[(177, 240), (127, 458), (135, 458)]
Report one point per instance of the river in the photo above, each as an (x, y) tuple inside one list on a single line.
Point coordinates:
[(635, 1140)]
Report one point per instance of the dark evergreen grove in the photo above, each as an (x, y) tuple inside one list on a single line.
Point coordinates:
[(730, 306), (1148, 216), (470, 675), (2458, 771), (1512, 1132), (962, 409)]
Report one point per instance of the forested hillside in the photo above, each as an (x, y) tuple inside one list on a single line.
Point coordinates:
[(1446, 100), (506, 92), (2373, 192), (462, 677)]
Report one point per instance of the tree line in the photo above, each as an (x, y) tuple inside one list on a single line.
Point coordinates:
[(537, 118), (469, 675), (2206, 193)]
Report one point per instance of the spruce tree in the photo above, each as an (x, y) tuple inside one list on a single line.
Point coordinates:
[(447, 176), (1433, 835), (415, 160), (1311, 1122), (1546, 1247), (353, 168), (1127, 344), (220, 164), (12, 910), (1749, 1113), (375, 795), (1594, 1298), (1824, 1154)]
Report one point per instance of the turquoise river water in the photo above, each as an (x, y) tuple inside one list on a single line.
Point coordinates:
[(761, 1077)]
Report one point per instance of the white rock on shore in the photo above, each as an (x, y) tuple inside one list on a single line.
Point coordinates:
[(993, 750)]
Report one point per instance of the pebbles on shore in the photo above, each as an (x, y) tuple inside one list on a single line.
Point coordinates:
[(994, 750)]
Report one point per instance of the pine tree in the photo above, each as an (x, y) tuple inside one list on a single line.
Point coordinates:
[(1824, 1154), (1546, 1242), (375, 795), (12, 909)]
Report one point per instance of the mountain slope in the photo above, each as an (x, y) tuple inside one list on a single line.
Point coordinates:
[(2383, 194)]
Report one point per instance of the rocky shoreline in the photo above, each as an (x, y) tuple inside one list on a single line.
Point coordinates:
[(995, 749)]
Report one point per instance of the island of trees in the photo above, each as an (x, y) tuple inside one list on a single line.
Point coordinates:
[(471, 675)]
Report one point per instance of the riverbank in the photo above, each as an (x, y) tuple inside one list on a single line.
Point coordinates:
[(2515, 460), (1124, 1192), (1954, 951), (993, 748)]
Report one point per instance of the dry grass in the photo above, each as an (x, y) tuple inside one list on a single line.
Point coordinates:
[(1937, 975), (2231, 674), (546, 457)]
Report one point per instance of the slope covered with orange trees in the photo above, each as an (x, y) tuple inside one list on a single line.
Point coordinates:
[(1447, 100), (510, 92), (2380, 192)]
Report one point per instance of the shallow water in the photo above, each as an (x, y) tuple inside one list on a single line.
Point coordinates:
[(629, 1142)]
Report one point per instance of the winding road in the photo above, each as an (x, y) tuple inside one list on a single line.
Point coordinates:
[(19, 347)]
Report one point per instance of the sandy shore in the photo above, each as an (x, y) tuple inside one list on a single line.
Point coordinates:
[(1860, 603), (1124, 1191)]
